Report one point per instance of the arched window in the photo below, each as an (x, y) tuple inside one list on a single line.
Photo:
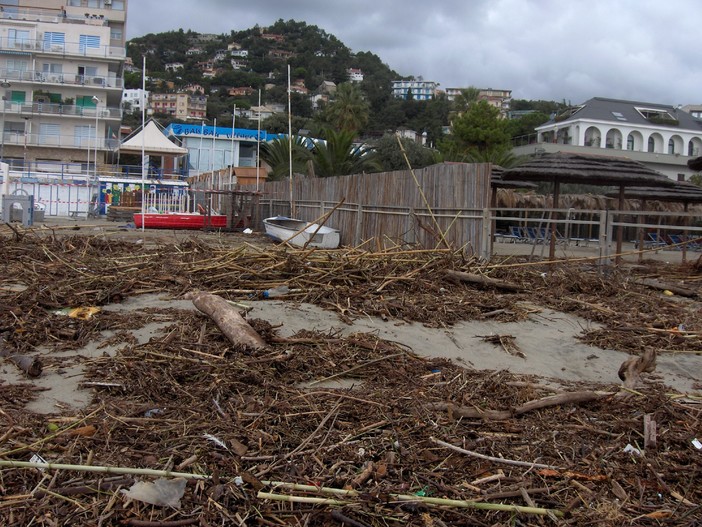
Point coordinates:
[(651, 144), (630, 142), (690, 149), (671, 146)]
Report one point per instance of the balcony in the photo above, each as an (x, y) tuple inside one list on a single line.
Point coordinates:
[(27, 109), (58, 141), (94, 81), (65, 49)]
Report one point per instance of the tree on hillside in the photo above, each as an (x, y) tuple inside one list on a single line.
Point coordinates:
[(390, 157), (278, 123), (276, 154), (337, 155), (348, 111), (466, 98), (476, 132), (526, 124)]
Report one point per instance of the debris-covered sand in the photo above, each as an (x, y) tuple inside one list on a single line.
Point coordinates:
[(360, 428)]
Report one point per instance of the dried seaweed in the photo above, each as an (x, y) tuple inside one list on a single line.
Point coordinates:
[(156, 405)]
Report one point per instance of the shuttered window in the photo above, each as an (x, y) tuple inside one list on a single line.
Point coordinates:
[(82, 136), (49, 133), (54, 41), (87, 43)]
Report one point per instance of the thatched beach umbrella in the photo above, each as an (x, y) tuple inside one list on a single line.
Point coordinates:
[(564, 167), (680, 192), (695, 164)]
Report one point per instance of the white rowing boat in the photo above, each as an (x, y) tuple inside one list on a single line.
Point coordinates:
[(301, 233)]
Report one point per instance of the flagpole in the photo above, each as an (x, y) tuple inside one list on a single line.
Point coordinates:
[(143, 144), (231, 165), (290, 156), (258, 140), (214, 137)]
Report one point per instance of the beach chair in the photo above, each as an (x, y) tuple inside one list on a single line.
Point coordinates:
[(654, 241), (516, 233)]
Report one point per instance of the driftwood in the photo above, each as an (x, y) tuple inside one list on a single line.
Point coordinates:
[(662, 286), (228, 320), (631, 369), (32, 366), (498, 415), (483, 280)]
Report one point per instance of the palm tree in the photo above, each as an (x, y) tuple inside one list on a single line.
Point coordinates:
[(339, 156), (277, 154), (349, 111)]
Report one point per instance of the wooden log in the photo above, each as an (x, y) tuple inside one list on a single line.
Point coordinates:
[(228, 320), (662, 286), (483, 280), (499, 415), (650, 436)]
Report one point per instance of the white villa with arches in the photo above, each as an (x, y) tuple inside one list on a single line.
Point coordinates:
[(661, 136)]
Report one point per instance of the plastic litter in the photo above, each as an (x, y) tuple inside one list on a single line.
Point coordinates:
[(280, 290), (162, 492), (217, 441), (629, 449), (83, 313), (248, 231), (697, 444)]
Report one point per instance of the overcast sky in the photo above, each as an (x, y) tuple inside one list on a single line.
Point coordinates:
[(642, 50)]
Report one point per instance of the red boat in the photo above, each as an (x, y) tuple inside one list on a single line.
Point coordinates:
[(180, 220)]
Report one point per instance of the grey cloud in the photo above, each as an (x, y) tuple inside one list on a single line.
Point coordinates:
[(541, 49)]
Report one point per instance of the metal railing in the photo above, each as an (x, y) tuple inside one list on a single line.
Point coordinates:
[(56, 140), (65, 48), (42, 108), (96, 81)]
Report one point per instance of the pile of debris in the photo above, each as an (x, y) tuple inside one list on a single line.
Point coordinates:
[(219, 420)]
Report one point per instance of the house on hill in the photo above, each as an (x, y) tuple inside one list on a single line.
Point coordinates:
[(355, 75), (661, 136)]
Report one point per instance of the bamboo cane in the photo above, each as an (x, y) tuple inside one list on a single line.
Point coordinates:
[(102, 470)]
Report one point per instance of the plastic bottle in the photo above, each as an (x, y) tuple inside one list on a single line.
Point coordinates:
[(273, 292)]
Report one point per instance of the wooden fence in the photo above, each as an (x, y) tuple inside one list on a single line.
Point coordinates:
[(441, 205)]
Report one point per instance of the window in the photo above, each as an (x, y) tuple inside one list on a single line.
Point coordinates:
[(49, 133), (658, 116), (82, 135), (54, 41), (18, 38), (16, 66), (86, 101), (619, 116), (630, 142), (681, 177), (52, 67), (88, 42), (18, 96), (116, 33), (671, 146), (118, 5), (651, 144)]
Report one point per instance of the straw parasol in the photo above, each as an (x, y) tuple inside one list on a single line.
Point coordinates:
[(680, 192), (695, 164), (566, 167)]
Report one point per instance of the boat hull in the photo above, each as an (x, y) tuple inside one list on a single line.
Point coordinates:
[(180, 221), (284, 229)]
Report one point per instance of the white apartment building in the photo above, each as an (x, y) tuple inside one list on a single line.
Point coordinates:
[(132, 99), (417, 90), (61, 79)]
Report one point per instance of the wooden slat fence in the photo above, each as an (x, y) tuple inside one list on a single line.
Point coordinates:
[(389, 208)]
